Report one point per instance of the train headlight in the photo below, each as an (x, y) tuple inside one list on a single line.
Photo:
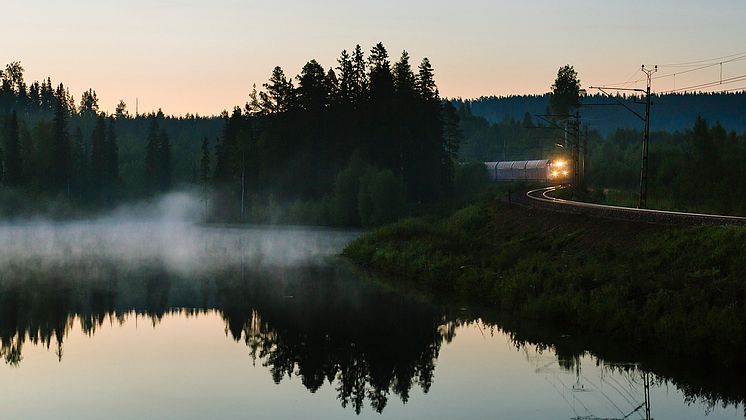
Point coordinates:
[(560, 163), (555, 174), (565, 173)]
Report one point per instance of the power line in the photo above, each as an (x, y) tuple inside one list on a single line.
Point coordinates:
[(723, 60), (719, 63), (707, 85), (694, 63), (742, 88), (628, 81)]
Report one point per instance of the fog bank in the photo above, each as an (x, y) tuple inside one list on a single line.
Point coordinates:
[(166, 231)]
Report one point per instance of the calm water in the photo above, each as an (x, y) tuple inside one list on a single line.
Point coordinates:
[(169, 320)]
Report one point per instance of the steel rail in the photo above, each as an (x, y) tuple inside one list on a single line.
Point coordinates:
[(620, 211)]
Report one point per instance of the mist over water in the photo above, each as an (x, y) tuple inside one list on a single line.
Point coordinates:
[(166, 231)]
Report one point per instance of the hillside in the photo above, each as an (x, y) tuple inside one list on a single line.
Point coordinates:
[(671, 112), (679, 290)]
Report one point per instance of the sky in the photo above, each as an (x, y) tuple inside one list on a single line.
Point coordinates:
[(203, 56)]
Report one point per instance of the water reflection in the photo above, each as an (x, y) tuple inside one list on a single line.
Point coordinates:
[(315, 322), (319, 322)]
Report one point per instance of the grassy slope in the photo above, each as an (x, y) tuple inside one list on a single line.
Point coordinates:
[(679, 289)]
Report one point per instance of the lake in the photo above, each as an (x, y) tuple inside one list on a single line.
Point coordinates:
[(125, 319)]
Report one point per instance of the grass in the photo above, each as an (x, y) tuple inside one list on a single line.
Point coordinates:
[(680, 290)]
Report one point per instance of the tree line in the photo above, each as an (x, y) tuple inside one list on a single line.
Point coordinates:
[(357, 143), (695, 169), (58, 153), (362, 142), (671, 112)]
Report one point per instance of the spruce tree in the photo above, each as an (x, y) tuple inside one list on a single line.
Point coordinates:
[(331, 87), (346, 79), (359, 76), (312, 93), (279, 94), (60, 175)]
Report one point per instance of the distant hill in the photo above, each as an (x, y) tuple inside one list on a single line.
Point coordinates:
[(671, 112)]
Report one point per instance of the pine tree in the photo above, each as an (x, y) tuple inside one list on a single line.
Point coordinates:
[(254, 105), (121, 110), (60, 175), (359, 82), (382, 126), (312, 94), (405, 106), (346, 79), (48, 99), (34, 98), (279, 93), (88, 103), (426, 82), (331, 87), (565, 94), (404, 80)]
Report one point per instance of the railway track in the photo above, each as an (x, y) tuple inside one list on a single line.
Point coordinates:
[(541, 198)]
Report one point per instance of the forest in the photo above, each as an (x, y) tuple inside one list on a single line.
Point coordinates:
[(671, 111), (360, 143), (698, 168)]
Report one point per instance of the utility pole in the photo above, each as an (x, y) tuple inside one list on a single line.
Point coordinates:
[(643, 198), (646, 390), (576, 151), (585, 156), (571, 128), (645, 138)]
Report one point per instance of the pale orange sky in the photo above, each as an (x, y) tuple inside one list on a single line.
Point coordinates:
[(202, 57)]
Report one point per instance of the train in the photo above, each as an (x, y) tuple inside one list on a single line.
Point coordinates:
[(549, 171)]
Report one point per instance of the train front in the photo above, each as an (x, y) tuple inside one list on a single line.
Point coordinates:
[(560, 171)]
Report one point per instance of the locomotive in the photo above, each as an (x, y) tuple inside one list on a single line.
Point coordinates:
[(550, 171)]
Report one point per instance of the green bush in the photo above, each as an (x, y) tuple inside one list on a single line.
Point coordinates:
[(381, 197), (344, 204)]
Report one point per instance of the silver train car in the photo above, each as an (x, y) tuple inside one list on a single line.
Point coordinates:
[(543, 170)]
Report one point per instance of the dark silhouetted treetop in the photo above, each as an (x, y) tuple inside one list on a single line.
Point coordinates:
[(121, 110), (426, 81), (312, 92), (565, 94), (88, 103), (279, 93)]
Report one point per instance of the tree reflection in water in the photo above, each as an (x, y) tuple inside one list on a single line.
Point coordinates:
[(320, 323)]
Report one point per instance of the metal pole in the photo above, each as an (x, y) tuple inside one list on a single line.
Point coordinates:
[(645, 138), (576, 151), (646, 383), (505, 141), (585, 154)]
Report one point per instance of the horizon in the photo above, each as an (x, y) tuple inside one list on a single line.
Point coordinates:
[(195, 58)]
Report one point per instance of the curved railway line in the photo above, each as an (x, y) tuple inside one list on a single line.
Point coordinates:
[(541, 198)]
